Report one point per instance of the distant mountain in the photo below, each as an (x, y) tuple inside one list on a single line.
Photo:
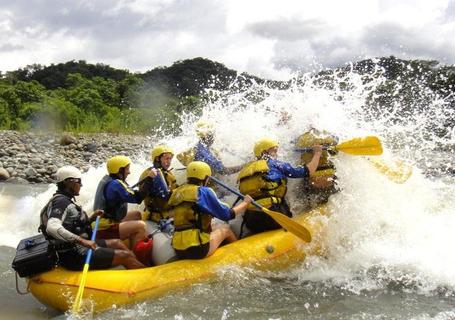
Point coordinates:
[(84, 96), (183, 78)]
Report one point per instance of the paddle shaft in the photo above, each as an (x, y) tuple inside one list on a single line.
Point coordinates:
[(237, 193), (283, 220), (80, 291), (93, 238), (310, 149)]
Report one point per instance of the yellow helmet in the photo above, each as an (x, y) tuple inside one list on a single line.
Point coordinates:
[(159, 150), (264, 145), (204, 128), (114, 164), (199, 170)]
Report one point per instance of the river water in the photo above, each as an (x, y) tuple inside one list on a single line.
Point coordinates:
[(388, 247)]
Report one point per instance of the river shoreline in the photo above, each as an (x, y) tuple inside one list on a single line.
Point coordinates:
[(32, 157)]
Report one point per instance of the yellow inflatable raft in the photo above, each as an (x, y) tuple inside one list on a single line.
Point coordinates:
[(266, 251)]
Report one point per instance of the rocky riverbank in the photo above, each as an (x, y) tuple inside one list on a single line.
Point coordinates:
[(35, 157)]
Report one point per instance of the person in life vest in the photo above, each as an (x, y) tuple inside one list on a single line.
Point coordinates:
[(203, 150), (160, 222), (112, 196), (265, 180), (321, 184), (156, 201), (67, 227), (194, 206)]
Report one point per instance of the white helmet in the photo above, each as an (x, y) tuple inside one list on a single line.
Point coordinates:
[(68, 172)]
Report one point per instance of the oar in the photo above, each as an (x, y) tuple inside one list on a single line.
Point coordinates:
[(80, 291), (284, 221), (398, 171), (365, 146)]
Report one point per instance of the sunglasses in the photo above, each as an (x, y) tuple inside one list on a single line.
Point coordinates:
[(76, 180)]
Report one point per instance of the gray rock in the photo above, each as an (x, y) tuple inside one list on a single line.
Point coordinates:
[(30, 172), (67, 139), (10, 170), (52, 169), (16, 180), (36, 160), (38, 180), (90, 147)]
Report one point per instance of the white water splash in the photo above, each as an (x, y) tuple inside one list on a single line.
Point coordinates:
[(380, 232)]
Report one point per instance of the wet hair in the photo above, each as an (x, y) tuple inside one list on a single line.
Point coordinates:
[(195, 181), (157, 162)]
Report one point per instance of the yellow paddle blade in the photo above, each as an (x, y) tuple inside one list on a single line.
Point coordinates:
[(80, 291), (289, 224), (366, 146), (398, 171)]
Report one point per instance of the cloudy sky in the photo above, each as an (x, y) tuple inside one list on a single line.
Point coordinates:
[(268, 38)]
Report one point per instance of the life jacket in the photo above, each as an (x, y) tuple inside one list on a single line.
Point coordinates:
[(312, 138), (192, 227), (113, 212), (157, 207), (252, 181), (321, 183), (44, 214), (186, 156), (74, 219)]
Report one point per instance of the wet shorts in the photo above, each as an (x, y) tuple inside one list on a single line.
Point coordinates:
[(112, 232), (257, 221), (193, 253), (74, 259)]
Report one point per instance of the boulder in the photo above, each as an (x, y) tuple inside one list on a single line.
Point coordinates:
[(4, 174), (90, 147), (17, 180), (67, 139), (30, 172)]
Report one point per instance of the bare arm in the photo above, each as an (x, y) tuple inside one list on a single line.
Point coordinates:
[(241, 207), (313, 164)]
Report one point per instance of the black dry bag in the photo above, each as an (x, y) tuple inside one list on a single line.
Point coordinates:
[(34, 255)]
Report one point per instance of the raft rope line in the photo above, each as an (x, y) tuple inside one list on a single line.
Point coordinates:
[(17, 287), (182, 280)]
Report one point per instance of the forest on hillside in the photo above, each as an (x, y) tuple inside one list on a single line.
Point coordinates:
[(81, 97)]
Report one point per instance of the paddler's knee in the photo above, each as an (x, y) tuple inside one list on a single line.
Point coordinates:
[(116, 244), (133, 215)]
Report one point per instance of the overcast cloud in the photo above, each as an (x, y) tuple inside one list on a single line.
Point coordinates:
[(265, 38)]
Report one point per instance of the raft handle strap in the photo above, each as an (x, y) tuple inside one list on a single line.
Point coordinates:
[(17, 287)]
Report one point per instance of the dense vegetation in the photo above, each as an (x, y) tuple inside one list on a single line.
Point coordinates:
[(82, 97)]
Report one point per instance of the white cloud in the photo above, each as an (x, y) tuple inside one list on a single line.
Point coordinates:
[(266, 38)]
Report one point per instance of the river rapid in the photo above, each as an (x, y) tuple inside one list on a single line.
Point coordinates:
[(388, 246)]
